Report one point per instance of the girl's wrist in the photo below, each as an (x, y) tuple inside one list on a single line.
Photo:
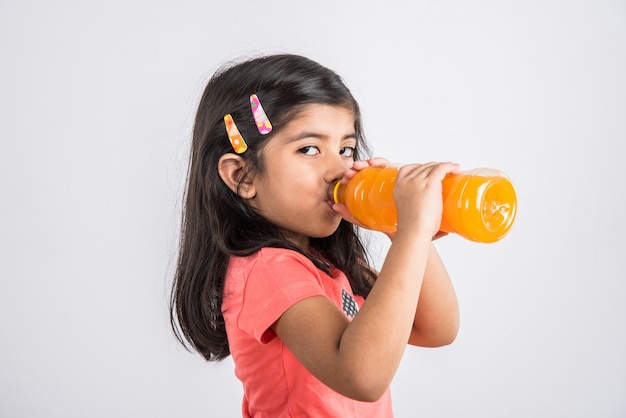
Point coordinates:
[(409, 237)]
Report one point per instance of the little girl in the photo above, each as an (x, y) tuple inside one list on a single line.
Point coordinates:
[(272, 272)]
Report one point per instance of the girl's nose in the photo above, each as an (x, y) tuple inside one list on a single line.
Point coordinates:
[(337, 166)]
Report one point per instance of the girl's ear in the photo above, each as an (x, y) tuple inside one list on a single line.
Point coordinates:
[(232, 169)]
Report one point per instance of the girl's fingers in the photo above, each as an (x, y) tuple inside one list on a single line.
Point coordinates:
[(341, 209), (428, 169), (359, 165), (378, 161), (406, 171)]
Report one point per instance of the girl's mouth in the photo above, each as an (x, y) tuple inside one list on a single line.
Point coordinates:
[(331, 193)]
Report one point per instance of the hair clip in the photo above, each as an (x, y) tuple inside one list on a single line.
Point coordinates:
[(236, 140), (262, 122)]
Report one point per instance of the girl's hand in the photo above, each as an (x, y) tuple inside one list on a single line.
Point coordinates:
[(413, 173), (418, 196), (358, 165)]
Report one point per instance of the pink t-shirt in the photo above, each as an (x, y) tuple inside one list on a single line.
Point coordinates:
[(257, 291)]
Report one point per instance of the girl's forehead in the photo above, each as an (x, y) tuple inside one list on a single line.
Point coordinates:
[(322, 117), (320, 122), (320, 110)]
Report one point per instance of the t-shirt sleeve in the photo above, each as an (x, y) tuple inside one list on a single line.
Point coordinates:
[(279, 279)]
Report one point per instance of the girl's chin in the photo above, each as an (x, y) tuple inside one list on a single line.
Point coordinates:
[(326, 232)]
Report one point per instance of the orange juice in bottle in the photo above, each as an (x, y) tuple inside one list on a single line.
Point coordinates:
[(479, 205)]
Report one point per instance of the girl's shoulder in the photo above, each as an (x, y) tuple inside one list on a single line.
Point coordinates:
[(272, 256)]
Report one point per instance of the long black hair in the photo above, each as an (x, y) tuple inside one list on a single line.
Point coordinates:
[(217, 223)]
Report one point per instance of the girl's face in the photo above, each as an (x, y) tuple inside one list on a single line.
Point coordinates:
[(302, 161)]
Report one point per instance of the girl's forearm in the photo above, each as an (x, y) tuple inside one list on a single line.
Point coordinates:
[(436, 321), (378, 335)]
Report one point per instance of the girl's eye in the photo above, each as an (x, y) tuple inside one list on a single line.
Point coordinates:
[(309, 150), (347, 152)]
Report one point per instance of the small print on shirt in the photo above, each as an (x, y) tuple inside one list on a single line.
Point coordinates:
[(349, 305)]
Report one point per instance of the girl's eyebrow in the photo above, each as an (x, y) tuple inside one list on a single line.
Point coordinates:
[(304, 135)]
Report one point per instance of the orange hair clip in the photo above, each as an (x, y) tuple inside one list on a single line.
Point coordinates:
[(236, 140)]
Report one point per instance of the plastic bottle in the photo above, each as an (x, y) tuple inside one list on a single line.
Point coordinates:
[(479, 205)]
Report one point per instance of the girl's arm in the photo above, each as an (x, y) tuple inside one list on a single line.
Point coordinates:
[(360, 358), (436, 321)]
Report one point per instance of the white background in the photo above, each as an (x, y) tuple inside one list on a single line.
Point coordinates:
[(96, 106)]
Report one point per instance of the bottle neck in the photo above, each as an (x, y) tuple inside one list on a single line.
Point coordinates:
[(336, 192)]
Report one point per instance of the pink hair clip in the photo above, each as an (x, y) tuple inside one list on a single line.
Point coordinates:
[(262, 122), (236, 140)]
